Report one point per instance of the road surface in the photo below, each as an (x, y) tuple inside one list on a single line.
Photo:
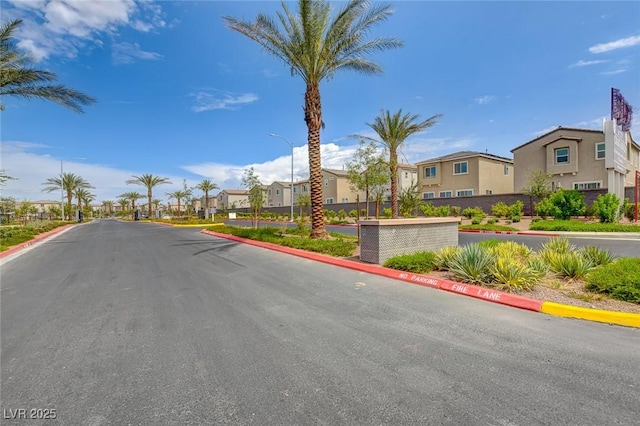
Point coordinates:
[(136, 323)]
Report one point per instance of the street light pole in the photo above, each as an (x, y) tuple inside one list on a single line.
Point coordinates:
[(291, 189)]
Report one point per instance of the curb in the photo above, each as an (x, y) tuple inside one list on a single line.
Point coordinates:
[(196, 225), (35, 240), (495, 296)]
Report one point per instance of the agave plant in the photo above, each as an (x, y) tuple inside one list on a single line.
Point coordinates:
[(570, 265), (511, 275), (442, 261), (596, 255), (472, 264), (511, 249)]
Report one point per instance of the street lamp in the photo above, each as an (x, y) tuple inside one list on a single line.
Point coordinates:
[(291, 190), (62, 185)]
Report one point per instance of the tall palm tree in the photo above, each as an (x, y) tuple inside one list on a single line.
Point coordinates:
[(82, 195), (17, 78), (67, 182), (108, 206), (392, 131), (205, 186), (132, 197), (149, 181), (315, 47), (179, 195), (124, 204), (156, 203)]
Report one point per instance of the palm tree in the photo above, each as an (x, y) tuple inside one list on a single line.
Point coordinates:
[(17, 78), (393, 130), (205, 186), (315, 47), (156, 203), (124, 204), (108, 206), (132, 197), (67, 182), (149, 181), (178, 195), (83, 195)]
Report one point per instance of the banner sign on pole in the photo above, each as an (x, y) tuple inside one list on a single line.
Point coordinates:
[(621, 111)]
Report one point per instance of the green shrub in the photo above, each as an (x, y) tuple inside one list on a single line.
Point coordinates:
[(476, 220), (387, 212), (629, 209), (516, 218), (342, 215), (488, 227), (427, 209), (606, 208), (455, 211), (442, 261), (443, 211), (417, 262), (596, 255), (545, 208), (515, 209), (570, 265), (353, 213), (500, 209), (619, 279), (471, 212), (536, 219), (472, 264), (511, 249), (568, 225), (563, 204), (491, 221), (330, 214)]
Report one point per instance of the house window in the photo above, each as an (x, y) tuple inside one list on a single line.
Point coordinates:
[(406, 175), (326, 182), (304, 188), (345, 200), (464, 193), (427, 195), (295, 190), (430, 172), (461, 168), (328, 201), (587, 185), (506, 170), (489, 192), (562, 155), (600, 151), (269, 192), (277, 192), (445, 194)]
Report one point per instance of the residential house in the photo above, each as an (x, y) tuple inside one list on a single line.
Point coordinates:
[(42, 208), (574, 158), (233, 199), (464, 174), (279, 194), (336, 188)]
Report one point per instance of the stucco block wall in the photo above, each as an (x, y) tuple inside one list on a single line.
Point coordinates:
[(382, 240)]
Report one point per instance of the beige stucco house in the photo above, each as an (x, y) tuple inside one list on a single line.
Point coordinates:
[(465, 174), (233, 199), (336, 188), (574, 159), (279, 194)]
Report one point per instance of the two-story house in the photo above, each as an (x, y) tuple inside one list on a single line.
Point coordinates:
[(233, 199), (465, 174), (573, 158), (279, 194), (336, 187)]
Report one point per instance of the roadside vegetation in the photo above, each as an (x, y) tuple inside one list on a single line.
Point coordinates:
[(513, 267), (11, 235), (300, 238)]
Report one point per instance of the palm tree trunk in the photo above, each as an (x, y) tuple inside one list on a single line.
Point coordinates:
[(393, 163), (313, 118), (150, 196), (206, 204), (69, 201)]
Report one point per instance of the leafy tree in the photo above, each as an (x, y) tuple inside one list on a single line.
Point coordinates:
[(251, 181), (393, 130), (18, 78), (149, 181), (562, 204), (303, 201), (315, 46), (367, 169), (538, 186), (26, 210), (206, 186), (53, 212), (132, 197), (410, 200), (7, 205), (4, 177), (67, 182)]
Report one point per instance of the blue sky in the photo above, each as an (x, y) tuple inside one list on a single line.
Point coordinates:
[(182, 96)]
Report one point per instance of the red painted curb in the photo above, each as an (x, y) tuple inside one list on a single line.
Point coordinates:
[(494, 296), (35, 239), (483, 231), (538, 234)]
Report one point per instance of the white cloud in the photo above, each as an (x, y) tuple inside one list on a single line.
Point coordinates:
[(614, 45), (126, 53), (614, 72), (206, 101), (582, 63), (65, 27), (485, 100)]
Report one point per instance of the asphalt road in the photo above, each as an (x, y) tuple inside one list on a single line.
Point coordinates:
[(119, 323), (619, 247)]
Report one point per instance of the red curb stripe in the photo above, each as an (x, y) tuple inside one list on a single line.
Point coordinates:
[(34, 240), (483, 231), (538, 234), (494, 296)]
